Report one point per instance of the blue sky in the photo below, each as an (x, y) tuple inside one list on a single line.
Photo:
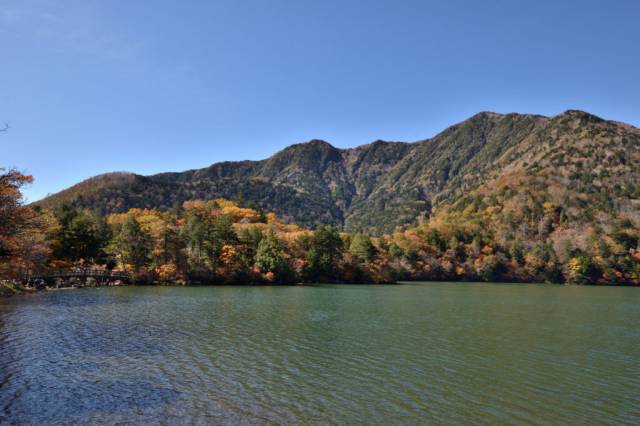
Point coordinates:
[(95, 86)]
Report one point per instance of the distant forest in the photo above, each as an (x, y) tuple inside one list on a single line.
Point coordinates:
[(220, 241), (521, 198)]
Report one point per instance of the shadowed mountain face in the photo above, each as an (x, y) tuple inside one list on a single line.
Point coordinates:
[(384, 185)]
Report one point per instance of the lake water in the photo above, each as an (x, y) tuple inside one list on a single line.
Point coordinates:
[(412, 353)]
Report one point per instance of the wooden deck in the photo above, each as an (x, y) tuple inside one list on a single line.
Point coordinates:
[(82, 274)]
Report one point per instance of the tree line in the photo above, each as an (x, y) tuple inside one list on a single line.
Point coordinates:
[(221, 241)]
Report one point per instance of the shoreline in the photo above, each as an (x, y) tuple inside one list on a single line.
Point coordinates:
[(8, 288)]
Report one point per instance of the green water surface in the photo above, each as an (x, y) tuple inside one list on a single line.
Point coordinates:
[(443, 353)]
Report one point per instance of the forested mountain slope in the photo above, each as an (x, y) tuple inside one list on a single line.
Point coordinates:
[(586, 166)]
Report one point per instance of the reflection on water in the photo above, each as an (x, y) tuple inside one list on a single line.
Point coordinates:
[(432, 352)]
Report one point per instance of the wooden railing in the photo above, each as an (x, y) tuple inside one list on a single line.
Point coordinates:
[(99, 274)]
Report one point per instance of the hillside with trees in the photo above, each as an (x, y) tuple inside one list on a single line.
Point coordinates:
[(220, 241), (386, 186), (520, 198)]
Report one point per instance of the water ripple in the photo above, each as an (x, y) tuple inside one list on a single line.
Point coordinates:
[(429, 353)]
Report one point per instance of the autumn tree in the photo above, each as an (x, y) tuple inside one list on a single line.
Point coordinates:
[(206, 232), (132, 246), (14, 216), (21, 233), (581, 270), (34, 248)]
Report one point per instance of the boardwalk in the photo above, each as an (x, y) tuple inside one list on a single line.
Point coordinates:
[(80, 274)]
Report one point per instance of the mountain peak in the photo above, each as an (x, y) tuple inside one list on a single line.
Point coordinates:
[(484, 117), (487, 114), (319, 143), (111, 176), (581, 115), (311, 145)]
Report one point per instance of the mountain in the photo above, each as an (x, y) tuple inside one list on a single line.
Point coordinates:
[(589, 164)]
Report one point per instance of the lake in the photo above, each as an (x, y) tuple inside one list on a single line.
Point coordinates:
[(324, 354)]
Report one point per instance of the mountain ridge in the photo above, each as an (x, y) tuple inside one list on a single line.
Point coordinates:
[(375, 187)]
